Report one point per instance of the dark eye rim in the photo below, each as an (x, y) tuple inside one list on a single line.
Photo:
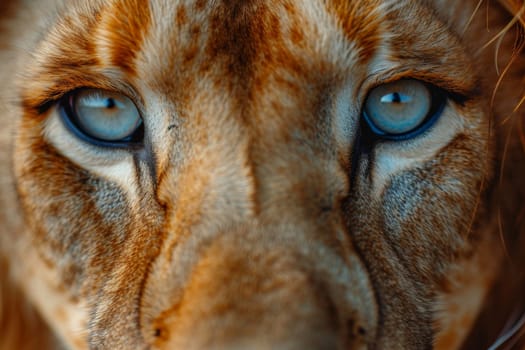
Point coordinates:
[(70, 119), (439, 100)]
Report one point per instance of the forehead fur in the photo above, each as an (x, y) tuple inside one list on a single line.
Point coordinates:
[(112, 44)]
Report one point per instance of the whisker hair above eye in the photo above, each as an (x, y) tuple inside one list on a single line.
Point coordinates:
[(471, 18), (516, 8), (517, 19), (511, 337)]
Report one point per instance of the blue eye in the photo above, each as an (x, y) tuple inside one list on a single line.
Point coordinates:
[(402, 109), (103, 117)]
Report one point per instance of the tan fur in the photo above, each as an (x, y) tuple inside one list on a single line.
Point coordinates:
[(258, 213)]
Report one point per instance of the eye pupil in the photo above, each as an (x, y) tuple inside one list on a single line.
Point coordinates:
[(392, 98), (110, 103), (396, 98)]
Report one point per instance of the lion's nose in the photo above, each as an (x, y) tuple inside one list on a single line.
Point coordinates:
[(274, 297)]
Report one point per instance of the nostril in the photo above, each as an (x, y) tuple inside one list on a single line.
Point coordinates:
[(361, 331), (355, 330), (160, 334)]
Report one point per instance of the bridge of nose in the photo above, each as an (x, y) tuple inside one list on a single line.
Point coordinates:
[(255, 245), (264, 287), (255, 252), (254, 236), (240, 290)]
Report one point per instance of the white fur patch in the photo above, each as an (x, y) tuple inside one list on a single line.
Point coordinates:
[(115, 165)]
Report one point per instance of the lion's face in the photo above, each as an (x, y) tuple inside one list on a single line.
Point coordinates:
[(251, 174)]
